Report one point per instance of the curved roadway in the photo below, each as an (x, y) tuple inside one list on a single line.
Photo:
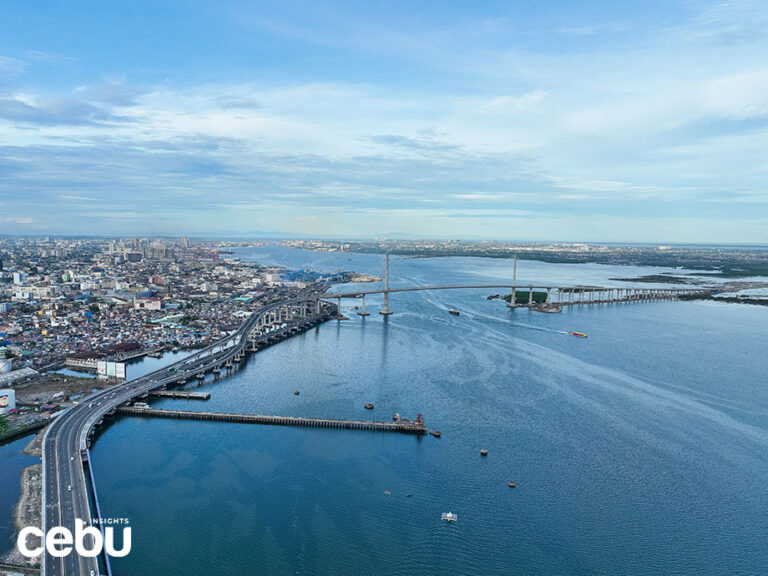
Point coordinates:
[(65, 492)]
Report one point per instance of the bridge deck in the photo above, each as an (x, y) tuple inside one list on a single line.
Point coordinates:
[(403, 427)]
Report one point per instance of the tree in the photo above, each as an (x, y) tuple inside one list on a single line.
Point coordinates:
[(3, 425)]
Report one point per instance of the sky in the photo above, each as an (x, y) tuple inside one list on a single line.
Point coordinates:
[(596, 121)]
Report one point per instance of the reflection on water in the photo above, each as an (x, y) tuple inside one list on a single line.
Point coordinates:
[(638, 450)]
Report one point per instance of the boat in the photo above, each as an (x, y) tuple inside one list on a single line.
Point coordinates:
[(511, 484), (368, 406), (435, 433), (454, 312), (449, 517), (579, 334), (484, 452)]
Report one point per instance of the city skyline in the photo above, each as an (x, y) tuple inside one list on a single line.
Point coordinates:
[(515, 121)]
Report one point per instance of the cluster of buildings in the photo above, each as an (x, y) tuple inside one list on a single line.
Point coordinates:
[(93, 298)]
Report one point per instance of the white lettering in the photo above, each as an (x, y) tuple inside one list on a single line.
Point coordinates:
[(110, 543), (58, 537), (88, 541), (21, 544), (81, 533)]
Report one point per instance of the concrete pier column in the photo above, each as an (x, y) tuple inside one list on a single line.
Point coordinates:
[(386, 311), (549, 295), (363, 312), (530, 295), (338, 306)]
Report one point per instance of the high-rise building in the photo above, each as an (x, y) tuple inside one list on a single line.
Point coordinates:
[(19, 277)]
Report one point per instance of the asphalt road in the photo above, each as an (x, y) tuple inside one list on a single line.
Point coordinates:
[(65, 492)]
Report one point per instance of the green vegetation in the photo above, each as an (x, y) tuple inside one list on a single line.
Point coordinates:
[(522, 297), (4, 428), (729, 299), (658, 279)]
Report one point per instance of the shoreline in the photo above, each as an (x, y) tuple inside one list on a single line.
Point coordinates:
[(28, 510)]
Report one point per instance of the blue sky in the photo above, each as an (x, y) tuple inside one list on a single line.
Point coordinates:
[(585, 121)]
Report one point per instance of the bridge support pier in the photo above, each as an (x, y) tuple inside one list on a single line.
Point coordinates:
[(363, 312)]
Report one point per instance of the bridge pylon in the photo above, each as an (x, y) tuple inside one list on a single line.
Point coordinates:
[(386, 311), (513, 296)]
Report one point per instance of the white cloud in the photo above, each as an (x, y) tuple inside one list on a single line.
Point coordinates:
[(18, 220)]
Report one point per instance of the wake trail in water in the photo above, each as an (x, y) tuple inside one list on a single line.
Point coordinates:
[(495, 320)]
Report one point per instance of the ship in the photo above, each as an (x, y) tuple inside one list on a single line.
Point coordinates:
[(579, 334), (454, 312)]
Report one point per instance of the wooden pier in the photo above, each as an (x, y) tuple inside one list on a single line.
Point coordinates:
[(402, 427)]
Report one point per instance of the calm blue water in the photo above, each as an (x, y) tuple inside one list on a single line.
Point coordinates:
[(135, 368), (12, 462), (641, 450)]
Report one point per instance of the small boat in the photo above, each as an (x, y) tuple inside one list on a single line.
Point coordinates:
[(368, 406), (296, 393), (435, 433), (483, 452), (454, 312), (512, 484), (579, 334), (449, 517)]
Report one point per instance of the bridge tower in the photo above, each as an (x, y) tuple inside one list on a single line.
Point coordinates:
[(386, 311), (513, 296)]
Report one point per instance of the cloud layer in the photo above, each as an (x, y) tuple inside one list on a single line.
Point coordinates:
[(603, 125)]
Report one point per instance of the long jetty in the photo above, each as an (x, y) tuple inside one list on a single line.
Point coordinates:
[(402, 427), (180, 394)]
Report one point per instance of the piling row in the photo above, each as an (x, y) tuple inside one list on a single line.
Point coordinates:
[(182, 395), (402, 427)]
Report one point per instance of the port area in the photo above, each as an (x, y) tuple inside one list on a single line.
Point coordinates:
[(404, 427)]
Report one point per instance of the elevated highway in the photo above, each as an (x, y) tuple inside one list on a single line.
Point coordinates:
[(67, 439)]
